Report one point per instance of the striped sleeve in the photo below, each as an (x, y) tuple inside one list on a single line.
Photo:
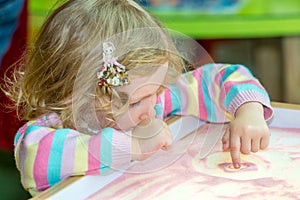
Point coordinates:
[(213, 93), (46, 156)]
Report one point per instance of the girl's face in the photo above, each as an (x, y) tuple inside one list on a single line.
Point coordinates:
[(143, 94)]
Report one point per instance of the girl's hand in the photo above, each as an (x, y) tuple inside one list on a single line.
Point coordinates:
[(248, 132), (149, 137)]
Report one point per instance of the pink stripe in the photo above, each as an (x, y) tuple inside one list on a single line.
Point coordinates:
[(23, 129), (220, 114), (121, 150), (32, 138), (202, 109), (22, 152), (94, 154), (68, 157), (182, 85), (22, 156), (40, 169), (217, 81), (168, 102), (229, 84), (35, 136), (158, 100), (219, 76)]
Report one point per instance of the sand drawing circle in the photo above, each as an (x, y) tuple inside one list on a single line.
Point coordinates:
[(254, 166)]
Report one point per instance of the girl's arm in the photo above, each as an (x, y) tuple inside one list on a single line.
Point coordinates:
[(223, 93), (213, 93), (46, 156)]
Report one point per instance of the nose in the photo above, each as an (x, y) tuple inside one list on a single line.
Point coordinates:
[(149, 111)]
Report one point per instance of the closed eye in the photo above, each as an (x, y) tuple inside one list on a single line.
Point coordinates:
[(132, 105)]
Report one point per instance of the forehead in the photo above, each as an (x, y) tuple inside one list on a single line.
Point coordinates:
[(142, 86)]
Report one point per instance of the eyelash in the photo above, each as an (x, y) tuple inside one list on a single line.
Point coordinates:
[(135, 104)]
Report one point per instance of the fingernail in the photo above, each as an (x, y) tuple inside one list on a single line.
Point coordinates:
[(237, 165)]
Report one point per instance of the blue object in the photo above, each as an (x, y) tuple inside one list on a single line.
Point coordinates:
[(9, 15)]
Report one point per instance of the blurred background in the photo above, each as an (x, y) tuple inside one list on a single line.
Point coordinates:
[(264, 35), (261, 34)]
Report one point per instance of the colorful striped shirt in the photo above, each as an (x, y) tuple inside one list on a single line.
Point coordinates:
[(46, 155)]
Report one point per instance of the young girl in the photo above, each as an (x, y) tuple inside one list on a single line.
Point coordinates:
[(100, 80)]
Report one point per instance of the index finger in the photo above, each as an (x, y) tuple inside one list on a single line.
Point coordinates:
[(235, 146)]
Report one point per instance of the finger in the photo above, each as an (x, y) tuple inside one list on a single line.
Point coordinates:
[(235, 145), (168, 142), (264, 142), (165, 148), (255, 145), (225, 140), (246, 145)]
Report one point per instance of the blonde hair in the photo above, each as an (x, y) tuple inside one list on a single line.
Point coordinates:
[(69, 41)]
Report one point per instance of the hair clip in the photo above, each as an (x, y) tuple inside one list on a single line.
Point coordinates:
[(111, 73)]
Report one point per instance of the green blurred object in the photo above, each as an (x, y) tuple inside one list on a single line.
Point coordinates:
[(38, 12), (253, 18), (10, 184), (272, 7)]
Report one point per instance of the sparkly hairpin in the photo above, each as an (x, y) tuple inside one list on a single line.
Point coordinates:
[(111, 73)]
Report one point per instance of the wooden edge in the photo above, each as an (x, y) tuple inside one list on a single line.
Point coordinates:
[(285, 105), (56, 188), (68, 181), (170, 120)]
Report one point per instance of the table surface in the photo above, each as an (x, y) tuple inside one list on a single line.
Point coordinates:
[(63, 184)]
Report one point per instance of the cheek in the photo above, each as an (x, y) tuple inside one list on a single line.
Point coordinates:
[(132, 117), (128, 120), (153, 100)]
